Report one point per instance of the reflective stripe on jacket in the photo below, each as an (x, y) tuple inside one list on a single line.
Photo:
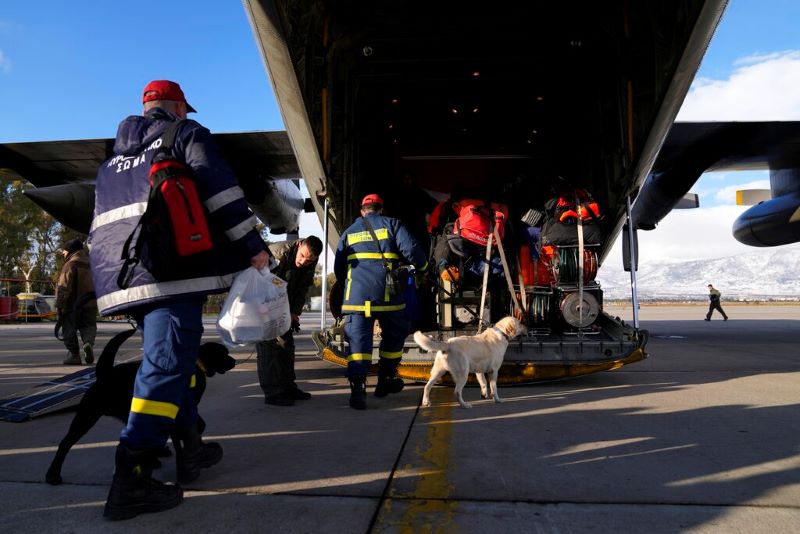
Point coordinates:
[(121, 198), (359, 265)]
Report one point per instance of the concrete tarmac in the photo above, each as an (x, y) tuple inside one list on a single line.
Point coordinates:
[(703, 436)]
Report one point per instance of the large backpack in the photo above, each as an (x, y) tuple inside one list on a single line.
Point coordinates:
[(477, 219), (568, 206), (173, 230), (563, 212)]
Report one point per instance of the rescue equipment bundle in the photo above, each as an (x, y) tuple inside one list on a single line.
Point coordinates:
[(174, 229), (565, 212)]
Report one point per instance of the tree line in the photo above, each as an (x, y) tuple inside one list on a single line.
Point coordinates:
[(29, 241)]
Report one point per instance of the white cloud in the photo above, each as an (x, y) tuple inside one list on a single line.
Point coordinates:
[(5, 63), (727, 195), (762, 87)]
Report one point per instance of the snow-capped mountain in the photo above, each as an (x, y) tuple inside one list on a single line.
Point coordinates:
[(770, 273)]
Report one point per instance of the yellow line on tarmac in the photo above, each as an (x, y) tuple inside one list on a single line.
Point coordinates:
[(427, 509)]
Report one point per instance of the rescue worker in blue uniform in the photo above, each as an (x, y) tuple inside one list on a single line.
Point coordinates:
[(361, 268), (168, 311)]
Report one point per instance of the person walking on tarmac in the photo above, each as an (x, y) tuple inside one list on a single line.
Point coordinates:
[(367, 253), (75, 304), (275, 362), (714, 297), (167, 308)]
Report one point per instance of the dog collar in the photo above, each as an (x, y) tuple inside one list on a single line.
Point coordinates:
[(199, 364), (501, 333)]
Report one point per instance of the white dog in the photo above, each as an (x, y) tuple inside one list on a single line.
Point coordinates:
[(481, 354)]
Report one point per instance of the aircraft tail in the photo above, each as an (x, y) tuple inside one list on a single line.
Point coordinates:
[(429, 344)]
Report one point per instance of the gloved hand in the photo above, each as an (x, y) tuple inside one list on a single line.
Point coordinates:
[(295, 323)]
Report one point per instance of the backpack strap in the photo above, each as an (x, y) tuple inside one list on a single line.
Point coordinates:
[(130, 261), (368, 226)]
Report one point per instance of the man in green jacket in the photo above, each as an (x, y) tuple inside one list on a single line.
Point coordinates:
[(713, 297), (297, 261), (76, 304)]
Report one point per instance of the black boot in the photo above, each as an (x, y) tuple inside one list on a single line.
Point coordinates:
[(358, 392), (387, 378), (192, 454), (133, 491), (388, 383)]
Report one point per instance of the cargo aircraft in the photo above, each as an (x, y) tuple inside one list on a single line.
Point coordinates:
[(519, 103)]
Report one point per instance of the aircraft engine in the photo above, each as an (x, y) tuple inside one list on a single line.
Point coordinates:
[(70, 204), (277, 203), (776, 221)]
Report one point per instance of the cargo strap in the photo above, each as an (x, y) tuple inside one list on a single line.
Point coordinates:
[(580, 267), (485, 283), (507, 272)]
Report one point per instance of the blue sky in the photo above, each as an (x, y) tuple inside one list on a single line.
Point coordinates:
[(751, 27), (73, 70)]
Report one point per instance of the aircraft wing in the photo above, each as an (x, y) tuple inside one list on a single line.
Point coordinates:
[(258, 159), (735, 146), (692, 148)]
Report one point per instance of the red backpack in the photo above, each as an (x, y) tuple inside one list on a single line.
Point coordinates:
[(477, 218), (173, 228)]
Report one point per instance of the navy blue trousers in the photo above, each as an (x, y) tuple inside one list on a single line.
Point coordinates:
[(162, 396), (358, 331)]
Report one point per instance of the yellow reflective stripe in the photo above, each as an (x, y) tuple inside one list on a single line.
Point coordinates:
[(424, 266), (151, 407), (390, 355), (360, 237), (356, 307), (193, 381), (360, 357), (349, 283), (367, 309), (373, 256)]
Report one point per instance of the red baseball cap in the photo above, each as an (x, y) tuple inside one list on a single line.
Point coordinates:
[(165, 90), (372, 199)]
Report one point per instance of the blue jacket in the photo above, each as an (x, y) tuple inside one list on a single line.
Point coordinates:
[(359, 264), (121, 198)]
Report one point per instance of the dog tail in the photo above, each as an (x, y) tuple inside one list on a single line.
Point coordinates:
[(429, 344), (106, 360)]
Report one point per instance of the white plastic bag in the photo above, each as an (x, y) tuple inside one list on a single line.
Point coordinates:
[(256, 309)]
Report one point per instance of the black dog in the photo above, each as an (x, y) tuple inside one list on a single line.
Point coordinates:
[(112, 392)]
